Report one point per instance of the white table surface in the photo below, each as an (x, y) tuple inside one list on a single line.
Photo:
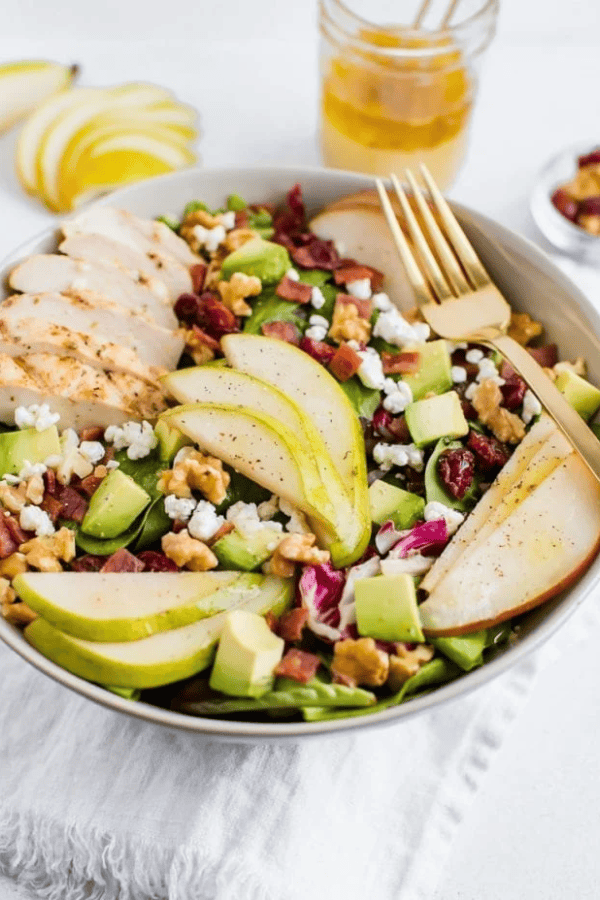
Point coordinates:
[(533, 829)]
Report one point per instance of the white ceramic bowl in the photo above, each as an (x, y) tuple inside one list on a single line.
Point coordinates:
[(530, 282)]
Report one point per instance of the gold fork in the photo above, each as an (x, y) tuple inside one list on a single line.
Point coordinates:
[(459, 301)]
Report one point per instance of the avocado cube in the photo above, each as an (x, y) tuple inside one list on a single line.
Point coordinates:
[(465, 650), (114, 506), (28, 444), (246, 552), (170, 440), (434, 372), (247, 655), (266, 260), (391, 503), (436, 417), (583, 396), (386, 608)]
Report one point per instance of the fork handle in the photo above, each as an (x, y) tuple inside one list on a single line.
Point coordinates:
[(570, 422)]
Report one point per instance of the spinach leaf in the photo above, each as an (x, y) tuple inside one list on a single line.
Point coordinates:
[(315, 277), (364, 400), (241, 488), (271, 308)]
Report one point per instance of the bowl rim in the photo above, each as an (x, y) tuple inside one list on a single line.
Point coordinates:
[(232, 730)]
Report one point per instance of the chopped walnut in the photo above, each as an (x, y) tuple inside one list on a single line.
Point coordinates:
[(13, 565), (237, 237), (405, 663), (195, 471), (523, 328), (100, 472), (296, 548), (199, 351), (213, 272), (234, 292), (585, 184), (591, 223), (13, 498), (578, 367), (45, 553), (34, 489), (360, 662), (348, 325), (198, 217), (11, 608), (188, 552), (504, 425)]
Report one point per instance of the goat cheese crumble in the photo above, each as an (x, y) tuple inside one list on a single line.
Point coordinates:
[(398, 399), (179, 508), (393, 328), (204, 522), (137, 437), (36, 416), (531, 407), (317, 298), (388, 455), (209, 238), (435, 510), (361, 288), (32, 518)]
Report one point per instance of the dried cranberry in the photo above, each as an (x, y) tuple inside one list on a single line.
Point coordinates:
[(317, 255), (589, 159), (88, 563), (214, 317), (513, 391), (156, 562), (469, 411), (490, 452), (391, 428), (456, 469), (122, 561), (565, 204), (186, 308), (319, 350), (590, 206)]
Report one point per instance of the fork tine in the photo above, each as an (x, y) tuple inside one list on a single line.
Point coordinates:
[(460, 243), (419, 285), (452, 269), (433, 271)]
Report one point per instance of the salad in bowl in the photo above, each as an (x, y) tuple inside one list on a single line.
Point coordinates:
[(241, 480)]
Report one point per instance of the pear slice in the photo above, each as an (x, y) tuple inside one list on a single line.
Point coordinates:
[(363, 233), (260, 447), (24, 85), (98, 606), (209, 384), (159, 659), (539, 549), (319, 396), (538, 454)]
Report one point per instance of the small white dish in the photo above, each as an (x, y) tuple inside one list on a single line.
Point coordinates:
[(562, 233)]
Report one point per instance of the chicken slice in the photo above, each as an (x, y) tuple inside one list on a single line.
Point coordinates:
[(55, 272), (81, 395), (98, 317), (22, 337), (150, 269), (145, 235)]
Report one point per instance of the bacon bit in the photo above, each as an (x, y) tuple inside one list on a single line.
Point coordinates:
[(16, 532), (242, 217), (291, 624), (109, 455), (178, 526), (50, 481), (201, 338), (271, 620), (8, 545), (345, 363), (546, 356), (198, 273), (88, 563), (295, 291), (51, 505), (122, 561), (153, 561), (226, 528), (353, 271), (299, 665), (90, 485), (317, 255), (364, 307), (400, 363), (319, 350), (284, 331), (94, 433), (74, 506)]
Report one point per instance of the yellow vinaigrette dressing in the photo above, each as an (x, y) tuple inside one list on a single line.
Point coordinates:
[(381, 113)]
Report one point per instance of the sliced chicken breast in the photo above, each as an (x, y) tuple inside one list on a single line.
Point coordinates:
[(144, 235), (96, 316), (82, 396), (55, 272), (22, 337), (151, 269)]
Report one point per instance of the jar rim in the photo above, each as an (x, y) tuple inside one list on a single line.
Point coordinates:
[(331, 26)]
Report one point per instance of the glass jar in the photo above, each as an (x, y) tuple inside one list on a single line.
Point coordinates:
[(393, 96)]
